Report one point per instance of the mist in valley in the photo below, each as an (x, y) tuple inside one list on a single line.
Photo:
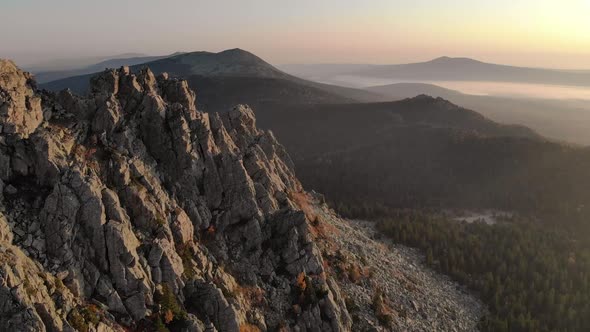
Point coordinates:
[(559, 112)]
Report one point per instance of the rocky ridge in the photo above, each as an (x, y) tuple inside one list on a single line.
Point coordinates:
[(128, 209)]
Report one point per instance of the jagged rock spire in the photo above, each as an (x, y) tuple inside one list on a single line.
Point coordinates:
[(20, 108)]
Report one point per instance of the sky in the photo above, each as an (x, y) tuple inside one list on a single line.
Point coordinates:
[(539, 33)]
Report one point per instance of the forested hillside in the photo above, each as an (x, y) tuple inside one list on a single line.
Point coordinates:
[(428, 153), (423, 167), (531, 278)]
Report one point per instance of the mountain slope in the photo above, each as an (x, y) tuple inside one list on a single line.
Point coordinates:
[(233, 65), (336, 127)]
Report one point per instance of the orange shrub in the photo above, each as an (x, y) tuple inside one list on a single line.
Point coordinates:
[(249, 328)]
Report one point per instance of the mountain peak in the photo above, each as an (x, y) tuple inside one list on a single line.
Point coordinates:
[(229, 63), (236, 50), (233, 54), (452, 60), (425, 99)]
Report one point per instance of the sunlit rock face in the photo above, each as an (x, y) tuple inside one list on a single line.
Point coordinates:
[(20, 107), (129, 208)]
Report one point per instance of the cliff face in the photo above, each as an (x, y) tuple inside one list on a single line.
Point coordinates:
[(131, 209)]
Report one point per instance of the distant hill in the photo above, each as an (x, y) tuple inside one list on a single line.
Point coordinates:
[(440, 69), (465, 69), (408, 90), (48, 76), (561, 119), (234, 69), (338, 127)]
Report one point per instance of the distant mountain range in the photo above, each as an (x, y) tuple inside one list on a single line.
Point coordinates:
[(73, 63), (236, 76), (447, 69), (566, 118), (48, 76), (233, 70)]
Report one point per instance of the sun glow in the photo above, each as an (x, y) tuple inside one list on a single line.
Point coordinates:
[(539, 32)]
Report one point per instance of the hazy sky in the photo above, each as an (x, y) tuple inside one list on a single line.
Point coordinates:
[(523, 32)]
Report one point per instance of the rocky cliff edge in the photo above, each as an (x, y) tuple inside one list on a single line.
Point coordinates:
[(130, 210)]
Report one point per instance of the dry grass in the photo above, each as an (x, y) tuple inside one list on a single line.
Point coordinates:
[(319, 227), (382, 310), (354, 273), (249, 328), (254, 295), (301, 283), (303, 201)]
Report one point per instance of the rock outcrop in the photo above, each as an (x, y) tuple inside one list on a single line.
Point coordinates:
[(20, 107), (130, 209)]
